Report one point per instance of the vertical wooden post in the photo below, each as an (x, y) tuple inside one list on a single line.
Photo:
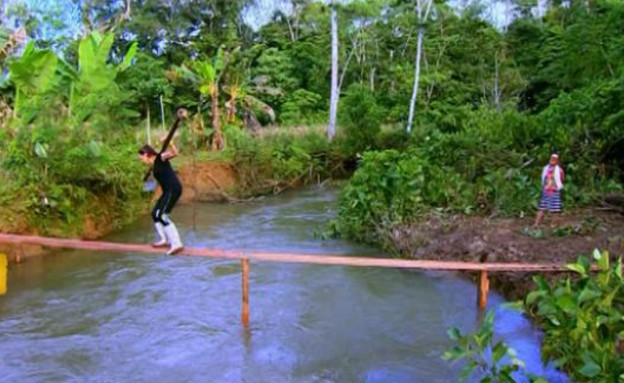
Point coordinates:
[(18, 252), (483, 288), (245, 312), (3, 273)]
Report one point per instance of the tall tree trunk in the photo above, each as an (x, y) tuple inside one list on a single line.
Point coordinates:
[(217, 135), (162, 113), (410, 119), (372, 79), (148, 128), (290, 29), (346, 65), (333, 101), (423, 7)]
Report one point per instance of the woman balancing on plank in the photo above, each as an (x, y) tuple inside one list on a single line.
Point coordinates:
[(166, 231)]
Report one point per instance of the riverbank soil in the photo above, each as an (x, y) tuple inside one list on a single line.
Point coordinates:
[(208, 181), (559, 239)]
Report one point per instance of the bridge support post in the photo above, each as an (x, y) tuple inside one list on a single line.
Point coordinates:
[(245, 288), (483, 289), (3, 273)]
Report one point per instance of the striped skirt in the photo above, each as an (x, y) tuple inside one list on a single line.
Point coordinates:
[(551, 202)]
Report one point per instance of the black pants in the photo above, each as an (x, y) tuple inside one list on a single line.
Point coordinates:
[(164, 205)]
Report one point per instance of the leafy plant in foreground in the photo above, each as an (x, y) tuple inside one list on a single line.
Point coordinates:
[(484, 360), (583, 320)]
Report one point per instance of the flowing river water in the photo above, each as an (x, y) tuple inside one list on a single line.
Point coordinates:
[(76, 316)]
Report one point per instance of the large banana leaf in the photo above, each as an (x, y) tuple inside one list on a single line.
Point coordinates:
[(94, 71), (67, 71), (205, 72), (200, 74), (219, 61), (93, 52), (94, 83), (127, 61), (34, 71), (204, 75)]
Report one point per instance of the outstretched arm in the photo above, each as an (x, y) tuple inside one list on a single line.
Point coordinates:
[(169, 136), (181, 114)]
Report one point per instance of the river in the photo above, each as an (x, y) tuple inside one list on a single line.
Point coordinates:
[(75, 316)]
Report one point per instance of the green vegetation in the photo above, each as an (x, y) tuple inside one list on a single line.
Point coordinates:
[(490, 103), (64, 157), (493, 108), (485, 360), (485, 106), (281, 160), (582, 320)]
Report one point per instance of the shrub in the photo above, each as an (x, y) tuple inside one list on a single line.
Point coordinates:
[(583, 320), (361, 117), (486, 360), (390, 188)]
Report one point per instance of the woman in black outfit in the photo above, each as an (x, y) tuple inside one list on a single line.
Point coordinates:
[(166, 231)]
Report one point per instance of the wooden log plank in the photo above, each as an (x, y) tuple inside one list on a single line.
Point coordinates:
[(245, 289), (317, 259), (482, 290), (3, 273)]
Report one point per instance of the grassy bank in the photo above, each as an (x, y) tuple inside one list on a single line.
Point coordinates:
[(96, 187)]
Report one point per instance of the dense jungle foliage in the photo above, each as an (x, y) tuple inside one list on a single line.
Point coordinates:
[(495, 93), (493, 107), (446, 107)]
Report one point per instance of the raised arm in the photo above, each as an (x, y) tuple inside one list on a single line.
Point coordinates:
[(171, 153), (169, 137)]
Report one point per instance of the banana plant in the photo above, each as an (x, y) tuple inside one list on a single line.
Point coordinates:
[(242, 93), (34, 73), (205, 76), (236, 91), (94, 81)]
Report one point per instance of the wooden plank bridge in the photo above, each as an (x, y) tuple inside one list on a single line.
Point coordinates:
[(317, 259)]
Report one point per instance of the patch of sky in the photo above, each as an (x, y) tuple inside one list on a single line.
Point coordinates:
[(59, 21)]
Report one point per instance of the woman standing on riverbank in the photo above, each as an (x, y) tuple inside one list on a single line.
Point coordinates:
[(552, 184)]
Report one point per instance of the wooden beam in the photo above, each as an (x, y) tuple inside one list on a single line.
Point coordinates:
[(245, 289), (318, 259), (3, 273), (483, 288)]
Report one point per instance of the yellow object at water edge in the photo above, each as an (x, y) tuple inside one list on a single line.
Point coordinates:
[(3, 273)]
